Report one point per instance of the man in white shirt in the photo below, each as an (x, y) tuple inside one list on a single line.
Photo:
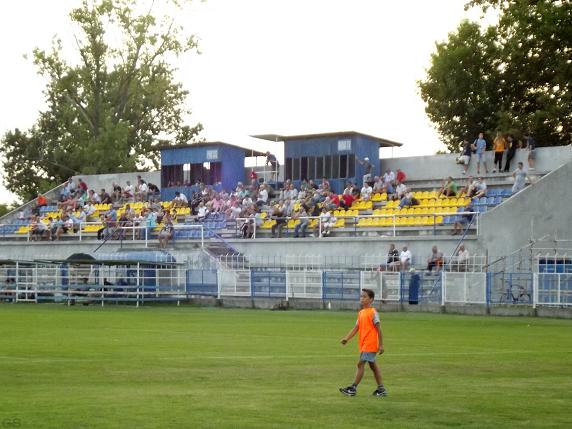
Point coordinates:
[(262, 196), (366, 192), (405, 258)]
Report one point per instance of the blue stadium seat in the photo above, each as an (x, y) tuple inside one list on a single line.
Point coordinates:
[(498, 200), (506, 192), (481, 209), (490, 201), (493, 192)]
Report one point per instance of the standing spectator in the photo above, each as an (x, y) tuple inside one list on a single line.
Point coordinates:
[(273, 162), (480, 146), (167, 231), (253, 177), (41, 201), (392, 258), (465, 158), (435, 260), (512, 146), (368, 168), (520, 176), (141, 190), (531, 146), (405, 258), (499, 145), (400, 176)]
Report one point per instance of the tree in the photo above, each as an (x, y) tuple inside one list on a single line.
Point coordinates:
[(523, 83), (109, 112)]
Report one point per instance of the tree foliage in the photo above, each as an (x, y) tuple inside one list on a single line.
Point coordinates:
[(110, 111), (512, 77)]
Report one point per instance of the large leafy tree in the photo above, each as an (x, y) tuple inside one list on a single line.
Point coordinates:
[(512, 77), (110, 110)]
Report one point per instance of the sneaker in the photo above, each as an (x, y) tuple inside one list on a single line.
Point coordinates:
[(348, 391), (495, 170), (380, 392)]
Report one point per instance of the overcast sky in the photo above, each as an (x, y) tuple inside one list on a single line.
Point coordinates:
[(270, 66)]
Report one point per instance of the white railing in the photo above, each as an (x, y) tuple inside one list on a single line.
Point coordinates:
[(395, 223), (114, 233)]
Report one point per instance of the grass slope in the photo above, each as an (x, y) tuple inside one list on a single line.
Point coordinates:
[(166, 367)]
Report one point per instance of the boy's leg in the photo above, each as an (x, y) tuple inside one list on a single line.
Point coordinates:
[(376, 373), (351, 390), (380, 391), (359, 372)]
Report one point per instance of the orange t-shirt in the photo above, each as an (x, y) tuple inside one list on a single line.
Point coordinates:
[(42, 201), (368, 334), (499, 144)]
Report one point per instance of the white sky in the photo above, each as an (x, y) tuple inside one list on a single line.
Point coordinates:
[(270, 66)]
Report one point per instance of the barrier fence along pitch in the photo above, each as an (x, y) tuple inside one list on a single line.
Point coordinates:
[(35, 282)]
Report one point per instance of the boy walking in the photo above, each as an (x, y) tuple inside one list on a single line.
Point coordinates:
[(370, 343)]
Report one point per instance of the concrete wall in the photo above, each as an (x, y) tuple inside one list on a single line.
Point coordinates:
[(440, 166), (341, 247), (545, 208), (100, 181)]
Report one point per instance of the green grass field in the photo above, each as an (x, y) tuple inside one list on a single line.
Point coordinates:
[(168, 367)]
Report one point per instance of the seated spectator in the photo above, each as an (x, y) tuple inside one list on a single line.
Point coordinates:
[(180, 200), (470, 187), (325, 223), (435, 260), (280, 218), (92, 197), (105, 198), (153, 190), (461, 260), (405, 258), (262, 195), (117, 192), (325, 184), (128, 191), (464, 219), (377, 185), (481, 188), (89, 211), (400, 190), (63, 226), (389, 180), (202, 212), (449, 188), (41, 201), (38, 229), (301, 227), (347, 200), (141, 190), (408, 200), (392, 259), (366, 191)]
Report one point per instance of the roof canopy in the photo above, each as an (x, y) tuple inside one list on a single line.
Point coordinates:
[(280, 138), (247, 152)]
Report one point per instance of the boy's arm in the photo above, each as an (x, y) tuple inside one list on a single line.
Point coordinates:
[(380, 333), (350, 334)]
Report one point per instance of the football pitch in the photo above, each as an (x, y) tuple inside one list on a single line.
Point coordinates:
[(188, 367)]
